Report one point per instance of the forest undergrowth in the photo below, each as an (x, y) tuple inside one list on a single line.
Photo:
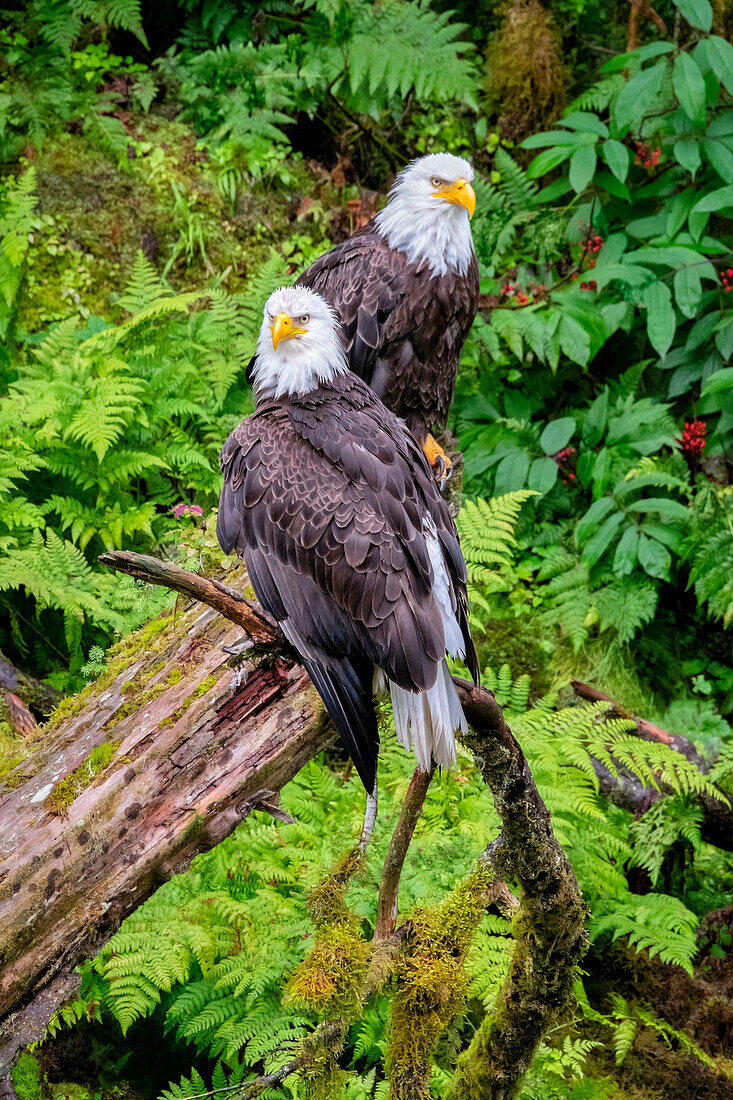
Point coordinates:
[(158, 178)]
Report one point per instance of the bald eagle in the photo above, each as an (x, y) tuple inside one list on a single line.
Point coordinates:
[(405, 288), (347, 540)]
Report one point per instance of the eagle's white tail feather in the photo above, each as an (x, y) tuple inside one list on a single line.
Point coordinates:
[(429, 720)]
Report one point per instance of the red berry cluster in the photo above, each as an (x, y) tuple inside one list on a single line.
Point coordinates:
[(590, 285), (514, 290), (646, 156), (693, 437), (726, 277), (593, 243), (564, 459)]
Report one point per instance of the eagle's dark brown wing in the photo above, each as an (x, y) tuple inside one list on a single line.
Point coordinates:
[(403, 327), (325, 497)]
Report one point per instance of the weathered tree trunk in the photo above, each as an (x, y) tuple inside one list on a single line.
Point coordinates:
[(155, 762), (21, 695)]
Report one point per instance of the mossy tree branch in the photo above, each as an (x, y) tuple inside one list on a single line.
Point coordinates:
[(549, 929)]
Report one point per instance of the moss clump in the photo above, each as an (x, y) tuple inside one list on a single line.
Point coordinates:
[(27, 1078), (524, 70), (194, 826), (67, 790), (134, 685), (329, 981), (432, 983), (204, 686)]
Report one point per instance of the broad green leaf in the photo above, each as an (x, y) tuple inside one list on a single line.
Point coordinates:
[(670, 509), (574, 340), (721, 125), (613, 249), (552, 138), (616, 157), (582, 167), (698, 13), (542, 475), (604, 181), (548, 160), (677, 211), (688, 290), (671, 536), (660, 319), (585, 466), (643, 53), (721, 380), (511, 473), (724, 338), (720, 56), (702, 330), (654, 558), (715, 201), (689, 87), (697, 222), (585, 121), (721, 158), (557, 435), (625, 557), (596, 546), (597, 512), (601, 471), (671, 256), (687, 152), (625, 273), (636, 98)]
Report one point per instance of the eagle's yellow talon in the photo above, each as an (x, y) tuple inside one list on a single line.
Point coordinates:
[(438, 459)]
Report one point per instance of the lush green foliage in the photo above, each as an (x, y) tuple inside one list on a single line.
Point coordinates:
[(594, 409), (205, 955)]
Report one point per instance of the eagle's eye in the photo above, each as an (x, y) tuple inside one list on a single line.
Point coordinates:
[(436, 181), (304, 319)]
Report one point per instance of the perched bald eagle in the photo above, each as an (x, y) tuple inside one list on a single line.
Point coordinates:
[(405, 288), (346, 538)]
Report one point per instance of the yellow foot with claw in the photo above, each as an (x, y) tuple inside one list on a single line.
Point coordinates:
[(438, 459)]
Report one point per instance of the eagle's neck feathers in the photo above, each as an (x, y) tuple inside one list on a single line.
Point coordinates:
[(298, 366), (442, 239)]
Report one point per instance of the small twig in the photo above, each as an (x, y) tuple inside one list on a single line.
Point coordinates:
[(221, 597), (400, 842)]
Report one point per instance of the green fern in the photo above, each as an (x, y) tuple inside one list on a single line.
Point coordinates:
[(486, 528), (709, 551)]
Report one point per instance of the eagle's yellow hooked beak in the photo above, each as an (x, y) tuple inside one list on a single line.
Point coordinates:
[(459, 193), (283, 328)]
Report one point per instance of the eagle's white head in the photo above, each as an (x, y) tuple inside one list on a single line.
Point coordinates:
[(298, 346), (429, 211)]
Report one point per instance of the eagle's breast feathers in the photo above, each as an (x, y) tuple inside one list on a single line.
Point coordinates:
[(403, 326)]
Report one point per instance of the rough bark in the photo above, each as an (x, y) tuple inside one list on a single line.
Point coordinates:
[(37, 695), (22, 696), (393, 864), (549, 928), (626, 791), (193, 744)]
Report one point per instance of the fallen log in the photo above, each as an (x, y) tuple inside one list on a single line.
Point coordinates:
[(626, 791), (21, 695), (155, 762)]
